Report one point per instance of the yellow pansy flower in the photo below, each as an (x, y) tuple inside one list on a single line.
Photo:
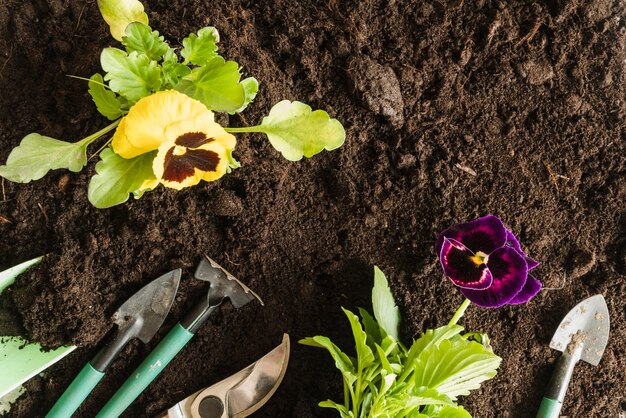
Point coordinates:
[(191, 145)]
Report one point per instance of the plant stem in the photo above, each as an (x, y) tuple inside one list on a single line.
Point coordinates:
[(89, 139), (459, 312), (244, 129)]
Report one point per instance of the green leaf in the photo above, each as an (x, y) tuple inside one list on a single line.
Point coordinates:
[(132, 75), (343, 411), (216, 85), (142, 39), (106, 101), (200, 49), (364, 354), (433, 337), (342, 361), (296, 132), (455, 367), (385, 310), (20, 360), (38, 154), (173, 71), (7, 277), (371, 327), (120, 13), (250, 89), (117, 177)]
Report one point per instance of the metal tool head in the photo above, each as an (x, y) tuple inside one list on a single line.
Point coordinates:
[(239, 395), (586, 326), (255, 390), (143, 314), (224, 284)]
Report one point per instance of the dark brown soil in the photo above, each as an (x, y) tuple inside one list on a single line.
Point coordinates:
[(453, 109)]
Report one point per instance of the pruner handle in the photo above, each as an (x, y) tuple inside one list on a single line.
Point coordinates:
[(551, 404), (147, 371)]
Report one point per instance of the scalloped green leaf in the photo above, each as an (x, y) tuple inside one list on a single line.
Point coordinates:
[(107, 102), (38, 154), (216, 85), (296, 131), (201, 48), (131, 75), (142, 39), (120, 13), (118, 177)]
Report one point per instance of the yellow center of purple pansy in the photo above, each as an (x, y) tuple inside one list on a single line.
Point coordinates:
[(190, 145)]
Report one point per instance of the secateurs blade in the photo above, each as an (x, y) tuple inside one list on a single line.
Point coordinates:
[(239, 395), (222, 286), (139, 317)]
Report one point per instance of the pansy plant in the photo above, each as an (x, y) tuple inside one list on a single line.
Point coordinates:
[(162, 105), (387, 379)]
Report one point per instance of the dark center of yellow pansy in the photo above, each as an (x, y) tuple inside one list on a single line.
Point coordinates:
[(182, 159), (193, 139)]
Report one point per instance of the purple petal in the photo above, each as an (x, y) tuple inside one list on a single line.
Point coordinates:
[(531, 263), (512, 242), (459, 265), (509, 271), (483, 234), (530, 289)]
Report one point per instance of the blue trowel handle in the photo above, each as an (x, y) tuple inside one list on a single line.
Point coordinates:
[(551, 404), (76, 392)]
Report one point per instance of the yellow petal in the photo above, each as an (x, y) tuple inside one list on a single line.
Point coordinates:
[(143, 128), (177, 167)]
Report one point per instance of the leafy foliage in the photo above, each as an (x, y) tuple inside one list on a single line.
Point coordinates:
[(120, 13), (107, 102), (117, 177), (297, 131), (216, 85), (200, 49), (38, 154), (387, 380), (147, 65)]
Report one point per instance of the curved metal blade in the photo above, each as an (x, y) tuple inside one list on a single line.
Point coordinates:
[(143, 314), (256, 389), (586, 325)]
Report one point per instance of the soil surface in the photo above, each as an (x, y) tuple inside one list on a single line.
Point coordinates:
[(453, 110)]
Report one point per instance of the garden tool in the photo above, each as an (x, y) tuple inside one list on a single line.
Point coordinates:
[(139, 317), (582, 335), (239, 395), (222, 286)]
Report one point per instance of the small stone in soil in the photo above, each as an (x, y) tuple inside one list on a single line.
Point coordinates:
[(378, 87)]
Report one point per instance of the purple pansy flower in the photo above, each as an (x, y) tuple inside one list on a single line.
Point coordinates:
[(486, 261)]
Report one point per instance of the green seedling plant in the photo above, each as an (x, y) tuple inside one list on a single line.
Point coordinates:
[(20, 359), (161, 103), (387, 379)]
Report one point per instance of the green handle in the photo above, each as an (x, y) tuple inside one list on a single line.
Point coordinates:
[(76, 392), (549, 408), (158, 359)]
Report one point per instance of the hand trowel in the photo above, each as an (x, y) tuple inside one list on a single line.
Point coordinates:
[(140, 317), (581, 335)]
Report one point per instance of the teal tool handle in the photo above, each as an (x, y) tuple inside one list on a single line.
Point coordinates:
[(549, 408), (158, 359), (76, 392), (551, 404)]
